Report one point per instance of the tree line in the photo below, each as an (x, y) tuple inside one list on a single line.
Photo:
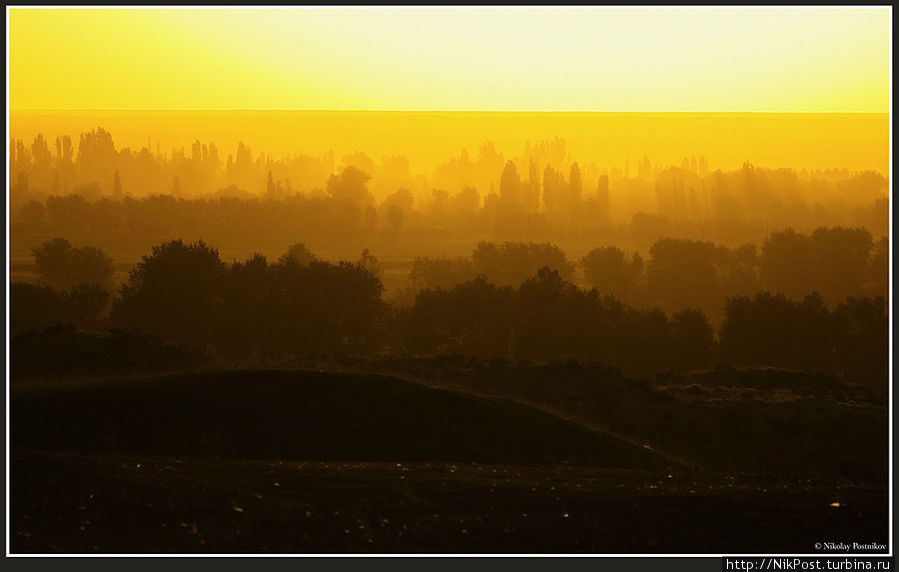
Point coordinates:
[(183, 293), (95, 187), (837, 263)]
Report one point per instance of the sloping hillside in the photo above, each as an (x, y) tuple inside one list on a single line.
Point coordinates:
[(305, 416)]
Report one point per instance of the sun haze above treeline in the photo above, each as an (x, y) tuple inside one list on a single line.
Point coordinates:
[(749, 59)]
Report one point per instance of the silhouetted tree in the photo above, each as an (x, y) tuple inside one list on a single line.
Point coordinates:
[(70, 213), (840, 258), (173, 293), (642, 341), (832, 261), (692, 341), (772, 330), (738, 270), (604, 207), (553, 188), (877, 274), (514, 262), (298, 254), (324, 307), (34, 215), (349, 186), (247, 322), (398, 205), (86, 307), (533, 188), (611, 271), (575, 185), (369, 262), (474, 318), (511, 189), (683, 274), (61, 265), (440, 272), (555, 319), (467, 202), (34, 308), (785, 265), (395, 217), (97, 157), (861, 340), (42, 174)]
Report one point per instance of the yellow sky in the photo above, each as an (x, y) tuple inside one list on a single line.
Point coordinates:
[(651, 59)]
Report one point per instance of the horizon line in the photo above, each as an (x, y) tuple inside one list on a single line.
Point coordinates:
[(319, 109)]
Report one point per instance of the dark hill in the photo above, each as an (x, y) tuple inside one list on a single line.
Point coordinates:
[(304, 416)]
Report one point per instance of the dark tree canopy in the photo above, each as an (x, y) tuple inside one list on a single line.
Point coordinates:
[(34, 308), (773, 330), (297, 254), (429, 273), (184, 294), (512, 300), (350, 187), (473, 318), (612, 271), (684, 274), (512, 263), (61, 265), (173, 293)]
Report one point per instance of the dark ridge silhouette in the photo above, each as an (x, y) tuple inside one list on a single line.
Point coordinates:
[(304, 416), (66, 353), (772, 423)]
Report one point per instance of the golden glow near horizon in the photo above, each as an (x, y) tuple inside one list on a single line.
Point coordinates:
[(592, 59)]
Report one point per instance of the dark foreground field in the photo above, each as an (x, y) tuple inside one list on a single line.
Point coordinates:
[(304, 462), (135, 504)]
